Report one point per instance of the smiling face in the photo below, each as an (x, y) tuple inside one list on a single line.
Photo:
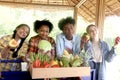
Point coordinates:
[(43, 31), (22, 32), (68, 31), (93, 31)]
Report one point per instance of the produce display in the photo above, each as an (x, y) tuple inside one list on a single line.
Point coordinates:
[(67, 60), (40, 60)]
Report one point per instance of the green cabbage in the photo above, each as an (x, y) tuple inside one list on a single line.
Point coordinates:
[(45, 45)]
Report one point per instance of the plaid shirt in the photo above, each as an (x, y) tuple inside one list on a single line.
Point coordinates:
[(33, 44)]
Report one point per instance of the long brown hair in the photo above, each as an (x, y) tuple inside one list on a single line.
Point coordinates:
[(15, 54)]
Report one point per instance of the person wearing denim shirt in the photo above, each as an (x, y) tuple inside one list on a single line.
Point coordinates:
[(67, 40), (98, 51), (60, 44)]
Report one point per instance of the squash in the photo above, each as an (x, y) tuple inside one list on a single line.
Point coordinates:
[(53, 62), (13, 43)]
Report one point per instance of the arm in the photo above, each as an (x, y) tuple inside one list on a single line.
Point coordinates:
[(23, 50), (109, 54), (31, 46), (5, 51), (53, 52), (59, 46), (76, 48), (84, 39), (4, 48)]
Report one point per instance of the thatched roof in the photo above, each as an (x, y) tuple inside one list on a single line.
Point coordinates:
[(86, 8)]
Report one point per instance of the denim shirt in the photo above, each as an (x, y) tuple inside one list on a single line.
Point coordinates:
[(107, 55), (60, 44)]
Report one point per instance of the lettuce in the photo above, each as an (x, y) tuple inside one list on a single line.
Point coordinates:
[(45, 45)]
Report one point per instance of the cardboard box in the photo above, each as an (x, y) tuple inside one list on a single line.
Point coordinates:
[(37, 73)]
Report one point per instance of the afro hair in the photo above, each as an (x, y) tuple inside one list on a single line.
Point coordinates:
[(38, 24), (65, 21)]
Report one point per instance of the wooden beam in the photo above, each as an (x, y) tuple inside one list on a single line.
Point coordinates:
[(75, 16), (29, 3), (80, 3), (85, 9), (68, 2), (88, 10), (110, 10), (47, 1), (71, 2), (116, 8), (100, 15), (88, 15)]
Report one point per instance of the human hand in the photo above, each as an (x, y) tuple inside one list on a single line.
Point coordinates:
[(5, 51), (117, 40), (69, 50), (41, 51), (85, 38), (49, 54), (13, 44), (27, 57)]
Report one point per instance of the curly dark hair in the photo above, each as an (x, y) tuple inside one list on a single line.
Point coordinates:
[(65, 21), (38, 24)]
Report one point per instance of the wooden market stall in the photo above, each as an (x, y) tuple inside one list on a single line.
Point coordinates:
[(90, 10)]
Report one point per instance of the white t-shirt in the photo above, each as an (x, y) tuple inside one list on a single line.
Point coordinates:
[(97, 56), (68, 44)]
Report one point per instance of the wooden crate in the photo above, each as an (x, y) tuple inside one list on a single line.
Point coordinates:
[(37, 73)]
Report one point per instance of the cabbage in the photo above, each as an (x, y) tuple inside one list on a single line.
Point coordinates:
[(44, 45)]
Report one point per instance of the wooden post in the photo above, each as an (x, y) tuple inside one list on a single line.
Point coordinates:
[(100, 15), (76, 11), (75, 16)]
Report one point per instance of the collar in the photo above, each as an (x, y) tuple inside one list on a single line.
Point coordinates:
[(63, 36)]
